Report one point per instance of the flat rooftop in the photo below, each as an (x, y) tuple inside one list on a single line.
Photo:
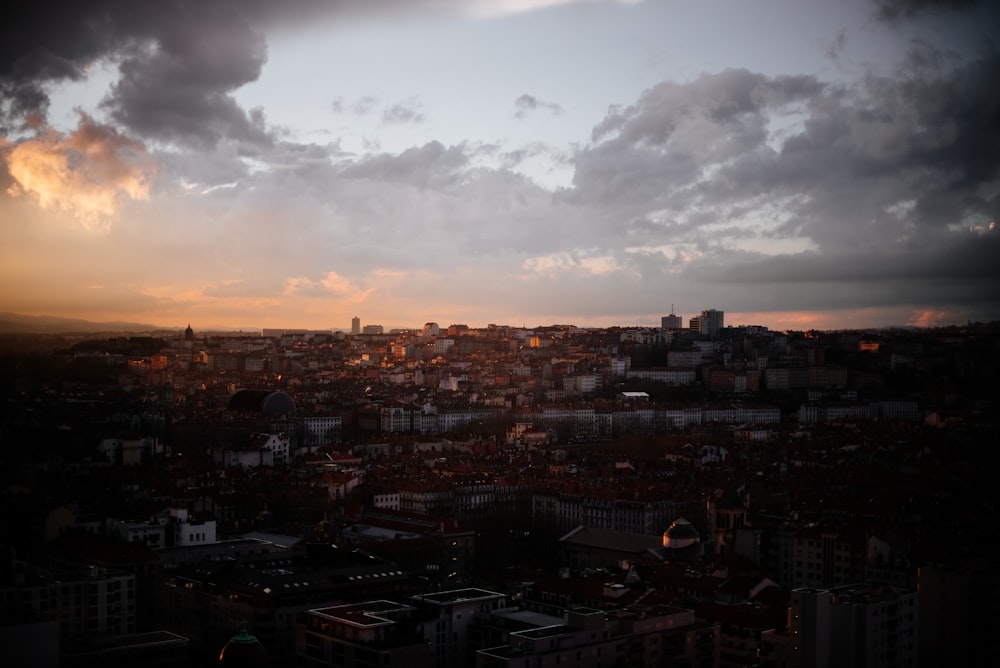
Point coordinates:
[(369, 614), (459, 596)]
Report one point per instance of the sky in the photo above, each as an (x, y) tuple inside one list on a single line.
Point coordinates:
[(252, 164)]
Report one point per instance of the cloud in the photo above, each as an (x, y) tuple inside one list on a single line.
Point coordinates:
[(894, 10), (429, 166), (733, 187), (403, 112), (576, 261), (837, 45), (178, 63), (177, 84), (492, 8), (526, 104), (86, 173), (360, 107), (725, 146)]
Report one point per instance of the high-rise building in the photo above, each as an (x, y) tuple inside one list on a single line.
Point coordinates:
[(355, 325), (671, 321), (709, 323), (874, 626)]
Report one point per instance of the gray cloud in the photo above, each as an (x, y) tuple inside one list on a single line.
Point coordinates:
[(360, 107), (429, 166), (526, 104), (877, 176), (882, 178), (651, 154), (180, 87), (178, 62), (893, 10), (404, 111)]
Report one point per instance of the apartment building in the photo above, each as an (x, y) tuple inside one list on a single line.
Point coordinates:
[(636, 636), (85, 600), (435, 630), (863, 626)]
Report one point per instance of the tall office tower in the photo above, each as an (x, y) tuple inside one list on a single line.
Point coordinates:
[(946, 634), (809, 623), (355, 325), (804, 642), (671, 321), (710, 323), (874, 626)]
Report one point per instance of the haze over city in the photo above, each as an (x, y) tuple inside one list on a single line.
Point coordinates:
[(295, 164)]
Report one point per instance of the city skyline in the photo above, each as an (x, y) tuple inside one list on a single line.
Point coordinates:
[(246, 165)]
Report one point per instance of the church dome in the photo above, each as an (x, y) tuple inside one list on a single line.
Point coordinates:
[(268, 402), (680, 534), (243, 650)]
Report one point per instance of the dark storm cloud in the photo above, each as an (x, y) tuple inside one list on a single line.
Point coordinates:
[(913, 151), (898, 159), (46, 42), (179, 61), (885, 178), (960, 271), (179, 88)]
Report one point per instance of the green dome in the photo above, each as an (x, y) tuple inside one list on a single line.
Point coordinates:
[(243, 650)]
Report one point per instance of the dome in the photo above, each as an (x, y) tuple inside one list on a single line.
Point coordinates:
[(680, 534), (267, 402), (243, 650)]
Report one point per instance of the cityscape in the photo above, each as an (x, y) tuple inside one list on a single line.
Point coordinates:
[(695, 494), (499, 333)]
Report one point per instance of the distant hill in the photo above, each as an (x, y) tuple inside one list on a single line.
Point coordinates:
[(15, 323)]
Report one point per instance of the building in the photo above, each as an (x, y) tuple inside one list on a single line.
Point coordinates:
[(865, 626), (439, 550), (453, 620), (206, 600), (709, 323), (805, 642), (85, 600), (319, 430), (243, 651), (677, 377), (152, 649), (874, 626), (355, 325), (672, 321), (191, 529), (373, 633), (28, 638), (636, 636), (438, 630), (823, 557)]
